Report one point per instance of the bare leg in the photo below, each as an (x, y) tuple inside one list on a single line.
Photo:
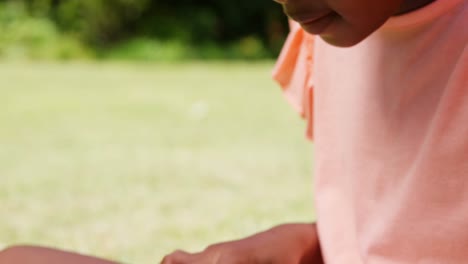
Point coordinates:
[(41, 255)]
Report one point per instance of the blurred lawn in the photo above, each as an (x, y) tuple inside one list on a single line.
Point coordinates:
[(132, 161)]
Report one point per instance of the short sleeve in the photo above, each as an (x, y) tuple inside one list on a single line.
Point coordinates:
[(294, 73)]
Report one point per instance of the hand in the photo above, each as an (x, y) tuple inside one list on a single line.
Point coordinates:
[(285, 244)]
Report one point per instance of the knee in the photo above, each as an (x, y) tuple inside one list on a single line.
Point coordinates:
[(7, 254), (11, 253)]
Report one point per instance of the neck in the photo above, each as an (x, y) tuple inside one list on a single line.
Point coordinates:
[(411, 5)]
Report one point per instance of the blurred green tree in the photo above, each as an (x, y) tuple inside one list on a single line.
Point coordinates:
[(202, 23)]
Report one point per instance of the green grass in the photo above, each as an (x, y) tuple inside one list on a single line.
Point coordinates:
[(131, 161)]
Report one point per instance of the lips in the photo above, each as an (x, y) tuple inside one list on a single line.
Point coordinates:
[(315, 24), (307, 19)]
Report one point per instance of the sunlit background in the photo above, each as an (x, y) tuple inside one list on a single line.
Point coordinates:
[(131, 128)]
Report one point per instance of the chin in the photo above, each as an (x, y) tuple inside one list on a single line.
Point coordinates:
[(341, 42), (345, 35)]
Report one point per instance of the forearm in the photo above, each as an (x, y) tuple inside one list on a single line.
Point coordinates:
[(283, 244)]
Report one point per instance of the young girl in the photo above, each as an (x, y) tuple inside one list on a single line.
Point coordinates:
[(384, 89)]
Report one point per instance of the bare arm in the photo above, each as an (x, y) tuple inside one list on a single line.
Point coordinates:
[(284, 244)]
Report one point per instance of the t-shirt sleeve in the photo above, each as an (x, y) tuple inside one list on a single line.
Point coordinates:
[(294, 73)]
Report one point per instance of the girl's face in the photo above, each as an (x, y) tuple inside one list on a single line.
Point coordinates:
[(341, 23)]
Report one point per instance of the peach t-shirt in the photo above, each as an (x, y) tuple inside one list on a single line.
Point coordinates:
[(389, 118)]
